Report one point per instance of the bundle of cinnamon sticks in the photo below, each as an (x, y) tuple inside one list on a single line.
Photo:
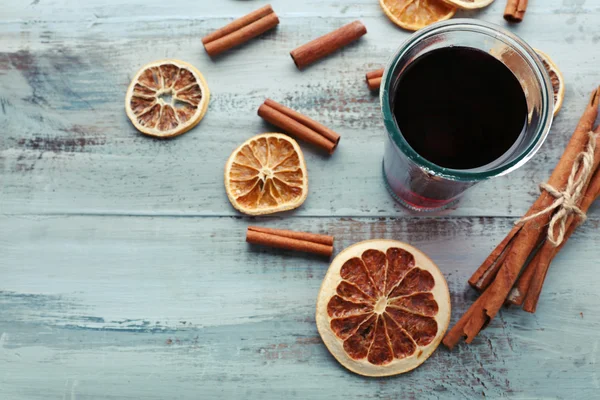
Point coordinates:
[(506, 276)]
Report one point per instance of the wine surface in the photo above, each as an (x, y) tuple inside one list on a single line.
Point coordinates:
[(459, 107)]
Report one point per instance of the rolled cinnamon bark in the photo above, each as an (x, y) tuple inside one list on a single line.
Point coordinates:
[(327, 44), (378, 73), (306, 236), (240, 31), (519, 291), (238, 24), (489, 274), (374, 83), (373, 79), (486, 273), (515, 10), (260, 237), (286, 121), (304, 120)]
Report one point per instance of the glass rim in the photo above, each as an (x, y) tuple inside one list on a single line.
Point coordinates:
[(496, 32)]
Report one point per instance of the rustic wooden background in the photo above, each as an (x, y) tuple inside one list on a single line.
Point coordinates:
[(123, 268)]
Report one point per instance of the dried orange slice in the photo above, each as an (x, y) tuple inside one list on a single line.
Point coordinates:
[(469, 4), (266, 174), (416, 14), (166, 98), (383, 308), (558, 82)]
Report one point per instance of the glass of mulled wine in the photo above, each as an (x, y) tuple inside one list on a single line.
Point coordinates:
[(462, 101)]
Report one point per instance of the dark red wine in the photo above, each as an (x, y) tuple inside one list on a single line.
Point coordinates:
[(459, 107)]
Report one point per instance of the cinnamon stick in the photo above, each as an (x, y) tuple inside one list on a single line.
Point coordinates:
[(490, 274), (240, 31), (378, 73), (299, 125), (486, 273), (291, 240), (515, 10), (327, 44), (374, 83), (311, 237), (373, 79), (489, 303), (483, 281), (519, 291)]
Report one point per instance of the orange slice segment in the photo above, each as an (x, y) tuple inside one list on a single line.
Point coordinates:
[(558, 82), (469, 4), (383, 308), (416, 14), (166, 98), (266, 174)]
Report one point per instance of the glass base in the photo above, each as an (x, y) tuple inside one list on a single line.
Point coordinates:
[(411, 206)]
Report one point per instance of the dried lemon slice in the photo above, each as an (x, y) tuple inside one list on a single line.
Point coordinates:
[(558, 82), (166, 98), (266, 174), (469, 4), (383, 308), (416, 14)]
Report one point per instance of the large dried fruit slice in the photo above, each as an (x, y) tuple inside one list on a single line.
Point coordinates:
[(266, 174), (166, 98), (383, 308), (416, 14)]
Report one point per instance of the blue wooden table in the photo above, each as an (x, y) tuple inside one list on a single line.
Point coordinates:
[(123, 268)]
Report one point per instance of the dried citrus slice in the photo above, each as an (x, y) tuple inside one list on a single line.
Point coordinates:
[(266, 174), (383, 308), (469, 4), (416, 14), (558, 82), (166, 98)]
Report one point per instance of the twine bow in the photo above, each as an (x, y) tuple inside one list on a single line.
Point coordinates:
[(567, 200)]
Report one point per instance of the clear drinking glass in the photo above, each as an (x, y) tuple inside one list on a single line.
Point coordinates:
[(418, 183)]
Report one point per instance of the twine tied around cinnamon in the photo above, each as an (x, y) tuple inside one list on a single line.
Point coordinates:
[(567, 200)]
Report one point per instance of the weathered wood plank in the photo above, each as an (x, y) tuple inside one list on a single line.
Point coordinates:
[(68, 147), (105, 307), (61, 10), (110, 290)]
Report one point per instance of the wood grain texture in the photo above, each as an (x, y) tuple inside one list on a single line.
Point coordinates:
[(124, 271), (69, 147), (140, 308)]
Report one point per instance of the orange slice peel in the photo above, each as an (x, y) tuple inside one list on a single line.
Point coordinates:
[(383, 308), (166, 98), (266, 174), (416, 14)]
